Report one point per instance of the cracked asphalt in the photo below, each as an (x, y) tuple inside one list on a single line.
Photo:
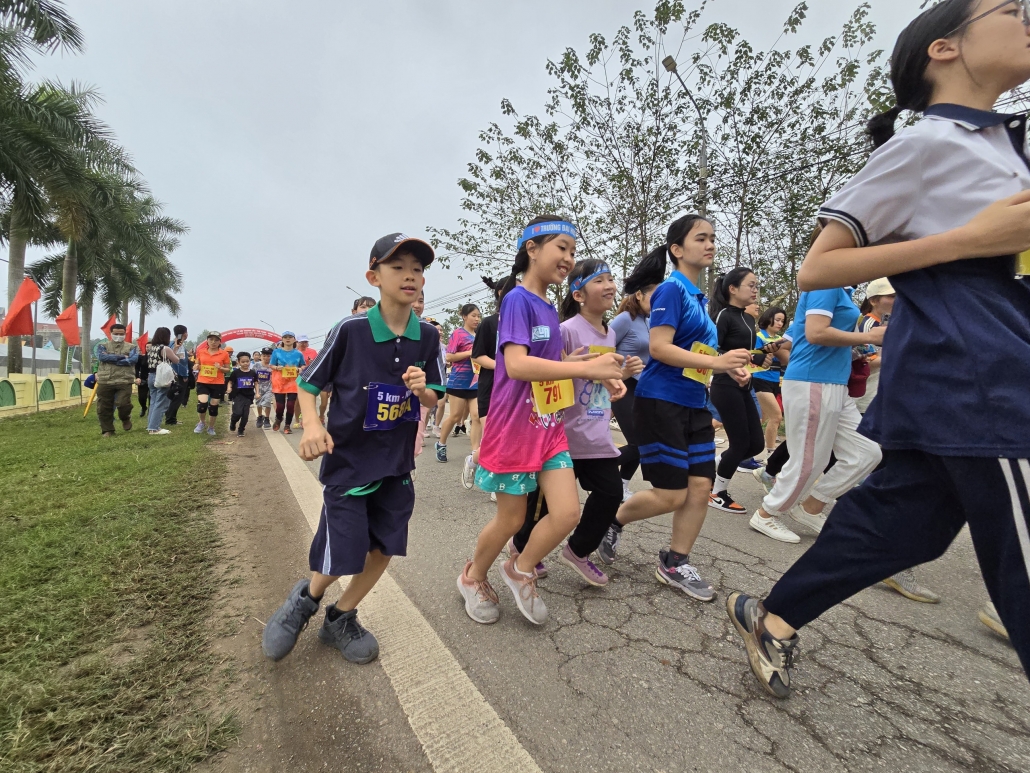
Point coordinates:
[(638, 677)]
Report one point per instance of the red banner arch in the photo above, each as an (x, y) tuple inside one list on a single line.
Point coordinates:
[(250, 332)]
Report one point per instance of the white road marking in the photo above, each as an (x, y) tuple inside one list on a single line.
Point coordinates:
[(457, 728)]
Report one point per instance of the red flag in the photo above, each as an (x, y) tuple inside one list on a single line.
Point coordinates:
[(18, 321), (68, 321), (106, 327), (128, 334), (141, 344)]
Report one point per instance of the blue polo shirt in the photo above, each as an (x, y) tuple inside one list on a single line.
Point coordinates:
[(822, 364), (954, 381), (361, 350), (678, 304)]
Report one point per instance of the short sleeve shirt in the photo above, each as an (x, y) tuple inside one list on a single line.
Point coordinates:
[(814, 363), (958, 343), (586, 420), (632, 336), (679, 304), (263, 374), (219, 358), (243, 381), (462, 376), (517, 439), (294, 358), (485, 345), (359, 351)]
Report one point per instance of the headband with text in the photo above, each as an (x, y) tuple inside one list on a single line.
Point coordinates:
[(581, 282), (550, 228)]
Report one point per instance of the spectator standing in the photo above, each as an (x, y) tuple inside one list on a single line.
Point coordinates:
[(182, 371), (158, 350), (142, 390), (115, 374)]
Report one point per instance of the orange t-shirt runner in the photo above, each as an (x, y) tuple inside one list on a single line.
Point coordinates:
[(208, 364)]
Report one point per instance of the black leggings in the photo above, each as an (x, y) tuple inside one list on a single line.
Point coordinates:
[(601, 478), (629, 454), (287, 400), (742, 423)]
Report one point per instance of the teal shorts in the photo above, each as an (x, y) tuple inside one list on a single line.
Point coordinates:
[(519, 484)]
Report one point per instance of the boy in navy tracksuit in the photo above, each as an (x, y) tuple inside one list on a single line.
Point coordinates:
[(381, 367)]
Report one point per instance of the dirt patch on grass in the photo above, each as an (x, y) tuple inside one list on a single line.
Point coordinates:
[(312, 710)]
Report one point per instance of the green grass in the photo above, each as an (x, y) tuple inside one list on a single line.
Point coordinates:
[(106, 551)]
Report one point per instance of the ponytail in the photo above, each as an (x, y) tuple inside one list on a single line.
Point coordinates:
[(522, 256), (500, 286), (721, 289), (910, 58), (651, 268)]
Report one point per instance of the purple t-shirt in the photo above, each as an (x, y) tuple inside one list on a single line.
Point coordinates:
[(586, 420), (516, 438)]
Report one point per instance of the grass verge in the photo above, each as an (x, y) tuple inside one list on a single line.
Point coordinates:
[(106, 547)]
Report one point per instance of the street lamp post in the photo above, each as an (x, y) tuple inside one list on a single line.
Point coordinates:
[(265, 323)]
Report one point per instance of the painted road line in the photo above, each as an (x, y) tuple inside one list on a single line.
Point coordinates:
[(457, 728)]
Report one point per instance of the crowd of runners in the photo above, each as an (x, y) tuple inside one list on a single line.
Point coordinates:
[(937, 359)]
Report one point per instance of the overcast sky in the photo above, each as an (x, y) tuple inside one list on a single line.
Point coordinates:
[(289, 137)]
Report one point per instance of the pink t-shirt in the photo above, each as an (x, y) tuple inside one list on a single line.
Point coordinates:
[(586, 420), (517, 439)]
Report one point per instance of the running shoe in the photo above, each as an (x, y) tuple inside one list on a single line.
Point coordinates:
[(441, 452), (211, 431), (481, 602), (774, 528), (723, 501), (287, 430), (626, 493), (107, 434), (493, 496), (199, 428), (771, 658), (683, 576), (989, 617), (350, 637), (436, 432), (468, 472), (798, 514), (457, 431), (239, 433), (767, 480), (161, 431), (584, 567), (905, 584), (541, 570), (427, 433), (608, 549), (523, 588), (748, 465), (286, 623), (232, 425), (275, 427)]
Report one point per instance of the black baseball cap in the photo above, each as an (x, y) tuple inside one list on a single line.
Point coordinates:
[(267, 350), (389, 244)]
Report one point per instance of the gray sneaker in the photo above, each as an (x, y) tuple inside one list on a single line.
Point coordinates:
[(349, 637), (609, 546), (286, 623), (523, 588), (481, 602), (684, 577), (905, 584), (771, 659)]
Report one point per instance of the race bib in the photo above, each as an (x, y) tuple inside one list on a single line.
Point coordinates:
[(552, 396), (751, 367), (209, 371), (389, 406), (1023, 264), (244, 382), (700, 375), (475, 368), (599, 350), (264, 375), (289, 371)]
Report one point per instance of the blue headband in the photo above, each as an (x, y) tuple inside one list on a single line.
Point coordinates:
[(550, 228), (577, 284)]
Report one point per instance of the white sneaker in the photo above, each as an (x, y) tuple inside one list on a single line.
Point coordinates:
[(767, 480), (626, 493), (468, 472), (813, 522), (774, 528), (493, 497), (160, 431)]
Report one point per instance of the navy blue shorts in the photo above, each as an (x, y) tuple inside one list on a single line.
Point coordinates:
[(675, 442), (351, 526)]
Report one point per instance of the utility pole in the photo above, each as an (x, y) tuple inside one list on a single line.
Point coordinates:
[(669, 63)]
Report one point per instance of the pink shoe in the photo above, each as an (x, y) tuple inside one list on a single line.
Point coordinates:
[(541, 570), (584, 567)]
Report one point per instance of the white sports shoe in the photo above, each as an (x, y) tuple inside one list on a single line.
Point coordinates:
[(773, 528), (813, 522), (626, 493)]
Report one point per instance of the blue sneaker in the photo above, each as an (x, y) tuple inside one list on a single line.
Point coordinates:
[(749, 465), (441, 452)]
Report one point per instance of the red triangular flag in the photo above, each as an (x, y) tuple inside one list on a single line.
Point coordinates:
[(106, 327), (68, 322), (128, 334), (141, 344), (18, 321)]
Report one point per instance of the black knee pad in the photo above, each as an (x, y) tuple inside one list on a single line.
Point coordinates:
[(202, 408), (213, 410)]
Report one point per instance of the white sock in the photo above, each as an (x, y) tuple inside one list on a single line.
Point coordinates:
[(720, 485)]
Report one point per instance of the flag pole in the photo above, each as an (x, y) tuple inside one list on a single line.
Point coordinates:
[(35, 312)]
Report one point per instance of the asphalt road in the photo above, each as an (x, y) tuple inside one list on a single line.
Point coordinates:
[(638, 677)]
